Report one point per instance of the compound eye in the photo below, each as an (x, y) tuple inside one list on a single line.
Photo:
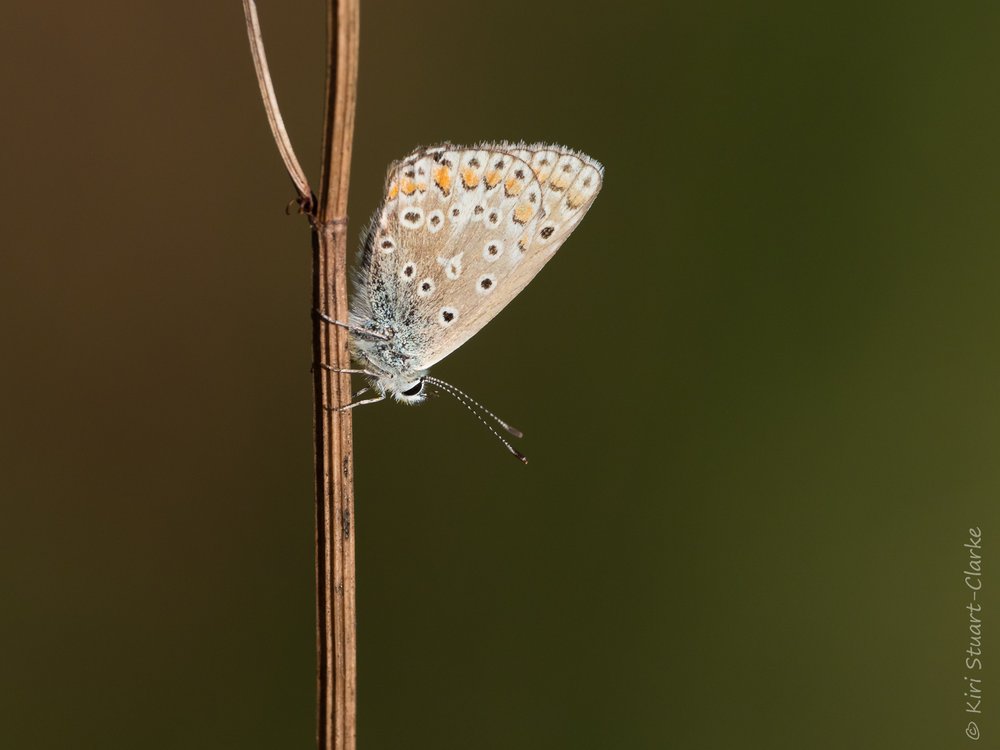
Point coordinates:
[(415, 390)]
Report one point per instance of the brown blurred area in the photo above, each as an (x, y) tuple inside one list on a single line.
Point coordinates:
[(758, 384)]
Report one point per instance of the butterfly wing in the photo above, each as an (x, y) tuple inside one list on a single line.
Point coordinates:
[(462, 231)]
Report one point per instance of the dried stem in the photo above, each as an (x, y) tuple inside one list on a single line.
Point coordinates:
[(271, 106), (337, 640), (336, 625)]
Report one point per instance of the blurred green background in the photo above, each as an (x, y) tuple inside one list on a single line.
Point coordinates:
[(759, 384)]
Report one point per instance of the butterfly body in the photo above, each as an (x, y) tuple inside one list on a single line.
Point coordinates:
[(460, 233)]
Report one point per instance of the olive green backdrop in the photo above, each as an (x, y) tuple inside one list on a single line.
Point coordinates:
[(759, 384)]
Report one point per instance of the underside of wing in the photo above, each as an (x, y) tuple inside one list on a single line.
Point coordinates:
[(462, 231)]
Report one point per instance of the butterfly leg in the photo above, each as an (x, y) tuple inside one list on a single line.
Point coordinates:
[(357, 403), (353, 329), (369, 373)]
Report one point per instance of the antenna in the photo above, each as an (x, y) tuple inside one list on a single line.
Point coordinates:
[(472, 405)]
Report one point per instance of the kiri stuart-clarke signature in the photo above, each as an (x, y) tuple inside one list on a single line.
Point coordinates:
[(973, 577)]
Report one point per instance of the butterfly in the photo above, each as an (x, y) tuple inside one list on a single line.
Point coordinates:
[(460, 232)]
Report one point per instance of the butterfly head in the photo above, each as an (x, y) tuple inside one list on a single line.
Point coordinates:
[(412, 393), (407, 389)]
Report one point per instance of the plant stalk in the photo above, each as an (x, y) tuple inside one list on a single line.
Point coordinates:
[(336, 614), (334, 449)]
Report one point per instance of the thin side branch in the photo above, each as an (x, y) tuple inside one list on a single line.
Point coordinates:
[(281, 138)]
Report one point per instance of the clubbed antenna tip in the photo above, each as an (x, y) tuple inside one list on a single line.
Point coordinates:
[(478, 409)]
